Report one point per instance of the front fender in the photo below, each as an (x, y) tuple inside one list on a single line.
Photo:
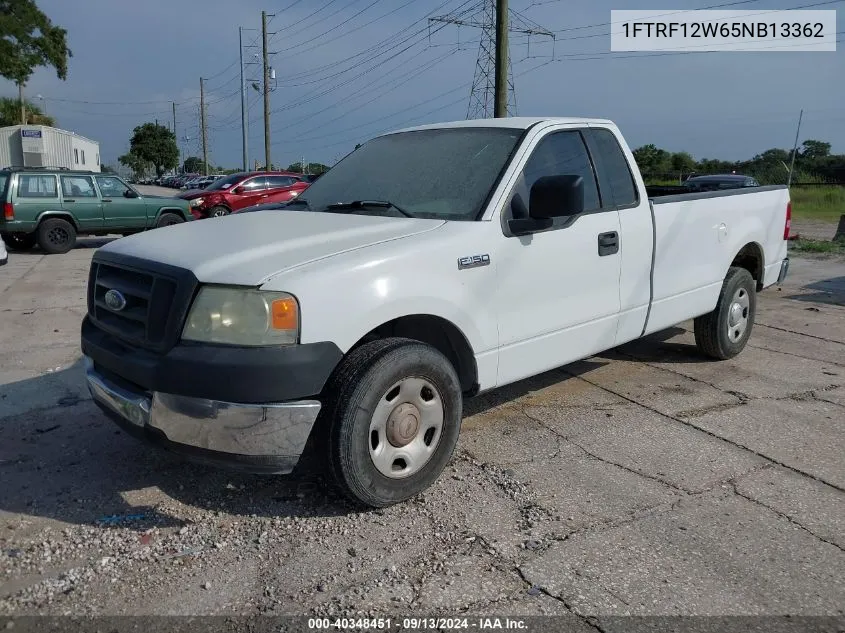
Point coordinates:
[(184, 213)]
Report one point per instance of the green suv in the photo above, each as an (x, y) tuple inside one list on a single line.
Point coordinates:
[(50, 207)]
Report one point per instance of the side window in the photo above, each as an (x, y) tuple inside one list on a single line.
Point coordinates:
[(78, 187), (111, 187), (255, 184), (616, 172), (277, 182), (35, 186), (559, 154)]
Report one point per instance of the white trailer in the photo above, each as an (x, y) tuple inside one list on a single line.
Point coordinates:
[(44, 146)]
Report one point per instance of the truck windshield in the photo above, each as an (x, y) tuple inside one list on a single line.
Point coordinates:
[(442, 173)]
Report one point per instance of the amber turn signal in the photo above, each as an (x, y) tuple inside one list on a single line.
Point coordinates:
[(284, 314)]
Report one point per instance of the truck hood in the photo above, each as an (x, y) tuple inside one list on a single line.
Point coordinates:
[(251, 248)]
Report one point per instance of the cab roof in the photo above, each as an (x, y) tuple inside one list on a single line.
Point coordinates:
[(518, 123)]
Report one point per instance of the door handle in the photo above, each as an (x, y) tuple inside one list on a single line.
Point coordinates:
[(69, 200), (608, 243), (106, 199)]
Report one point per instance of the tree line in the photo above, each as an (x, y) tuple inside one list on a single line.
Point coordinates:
[(813, 164)]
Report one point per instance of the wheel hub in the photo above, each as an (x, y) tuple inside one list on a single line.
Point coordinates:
[(403, 425), (735, 315)]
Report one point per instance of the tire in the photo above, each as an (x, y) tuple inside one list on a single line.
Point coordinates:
[(723, 333), (372, 417), (56, 236), (19, 241), (218, 212), (168, 219)]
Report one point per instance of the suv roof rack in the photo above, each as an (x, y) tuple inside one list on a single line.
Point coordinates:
[(47, 168)]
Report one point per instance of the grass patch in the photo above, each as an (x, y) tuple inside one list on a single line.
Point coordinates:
[(818, 203), (817, 246)]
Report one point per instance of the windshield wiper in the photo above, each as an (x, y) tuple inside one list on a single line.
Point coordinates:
[(361, 204)]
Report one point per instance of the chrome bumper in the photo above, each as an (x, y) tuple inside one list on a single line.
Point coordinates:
[(269, 436), (784, 270)]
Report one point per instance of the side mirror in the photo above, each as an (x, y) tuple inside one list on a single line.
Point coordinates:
[(130, 193), (238, 190), (551, 197), (556, 197)]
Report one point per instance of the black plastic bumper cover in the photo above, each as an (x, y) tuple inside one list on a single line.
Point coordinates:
[(248, 375)]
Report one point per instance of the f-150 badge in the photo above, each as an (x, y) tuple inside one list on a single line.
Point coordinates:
[(473, 261)]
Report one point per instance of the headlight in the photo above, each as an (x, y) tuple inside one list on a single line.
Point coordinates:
[(196, 202), (242, 316)]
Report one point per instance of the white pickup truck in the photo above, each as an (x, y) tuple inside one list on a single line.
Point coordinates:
[(429, 265)]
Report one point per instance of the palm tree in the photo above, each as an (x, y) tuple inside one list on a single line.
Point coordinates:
[(10, 113)]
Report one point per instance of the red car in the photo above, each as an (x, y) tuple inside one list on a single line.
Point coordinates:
[(243, 190)]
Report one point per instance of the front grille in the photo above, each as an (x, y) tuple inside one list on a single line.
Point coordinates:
[(157, 300)]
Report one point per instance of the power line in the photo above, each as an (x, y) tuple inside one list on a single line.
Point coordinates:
[(296, 46), (371, 50), (392, 84), (314, 96)]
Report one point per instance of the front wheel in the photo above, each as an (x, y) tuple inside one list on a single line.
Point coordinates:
[(19, 241), (218, 212), (393, 416), (168, 219), (56, 236), (723, 333)]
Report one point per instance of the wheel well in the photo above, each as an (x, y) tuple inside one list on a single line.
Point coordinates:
[(47, 215), (440, 334), (173, 212), (750, 257)]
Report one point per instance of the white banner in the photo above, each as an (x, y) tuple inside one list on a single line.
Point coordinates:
[(703, 31)]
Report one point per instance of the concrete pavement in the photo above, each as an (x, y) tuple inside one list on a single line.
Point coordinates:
[(644, 481)]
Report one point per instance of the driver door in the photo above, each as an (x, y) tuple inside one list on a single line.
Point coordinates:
[(120, 212), (249, 193), (558, 289)]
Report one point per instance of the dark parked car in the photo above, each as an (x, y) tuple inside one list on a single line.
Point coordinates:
[(719, 182)]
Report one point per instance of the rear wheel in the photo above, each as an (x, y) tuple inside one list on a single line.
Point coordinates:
[(218, 212), (393, 415), (19, 241), (723, 333), (56, 236), (168, 219)]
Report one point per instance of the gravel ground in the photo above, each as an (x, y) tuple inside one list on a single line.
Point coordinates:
[(645, 481)]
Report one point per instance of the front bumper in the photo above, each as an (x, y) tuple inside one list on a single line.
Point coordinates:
[(256, 438)]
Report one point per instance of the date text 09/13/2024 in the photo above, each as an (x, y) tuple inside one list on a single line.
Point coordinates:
[(415, 624)]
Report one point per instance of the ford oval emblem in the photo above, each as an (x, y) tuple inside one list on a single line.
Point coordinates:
[(115, 301)]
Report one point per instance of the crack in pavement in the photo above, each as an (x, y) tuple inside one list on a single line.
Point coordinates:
[(588, 620), (710, 433), (785, 516), (783, 329), (601, 459)]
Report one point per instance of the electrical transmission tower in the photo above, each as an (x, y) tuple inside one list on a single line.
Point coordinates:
[(483, 16)]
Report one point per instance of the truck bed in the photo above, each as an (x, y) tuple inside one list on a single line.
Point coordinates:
[(676, 193)]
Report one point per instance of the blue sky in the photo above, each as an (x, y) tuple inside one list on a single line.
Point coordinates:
[(132, 59)]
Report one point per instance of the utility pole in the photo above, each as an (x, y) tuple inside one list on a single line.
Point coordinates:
[(795, 149), (500, 108), (202, 125), (267, 163), (244, 118), (178, 151), (493, 91)]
